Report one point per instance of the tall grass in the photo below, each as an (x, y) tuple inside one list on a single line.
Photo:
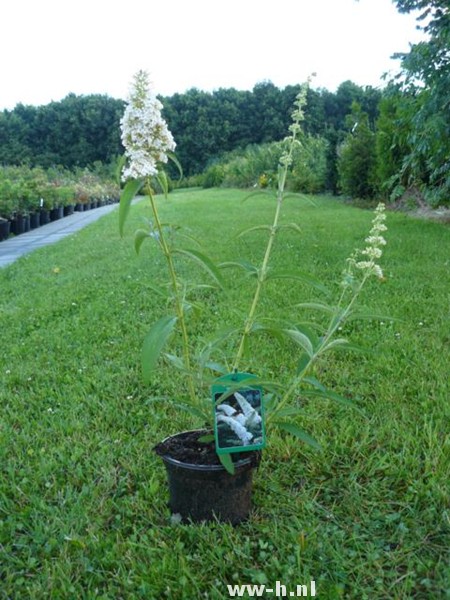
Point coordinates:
[(257, 165), (83, 498)]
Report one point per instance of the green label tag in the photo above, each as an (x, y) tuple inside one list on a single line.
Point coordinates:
[(238, 413)]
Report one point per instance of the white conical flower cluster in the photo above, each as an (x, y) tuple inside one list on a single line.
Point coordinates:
[(145, 135), (372, 252), (374, 241)]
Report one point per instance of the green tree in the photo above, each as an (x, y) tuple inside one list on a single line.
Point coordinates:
[(394, 172), (425, 76), (357, 157)]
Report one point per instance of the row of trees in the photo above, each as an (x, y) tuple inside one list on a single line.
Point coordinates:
[(75, 132), (358, 140), (207, 125), (79, 130), (409, 150)]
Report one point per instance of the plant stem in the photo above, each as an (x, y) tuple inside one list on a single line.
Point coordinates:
[(262, 274), (261, 279), (176, 291)]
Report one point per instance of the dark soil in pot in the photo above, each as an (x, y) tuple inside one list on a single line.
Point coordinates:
[(200, 488)]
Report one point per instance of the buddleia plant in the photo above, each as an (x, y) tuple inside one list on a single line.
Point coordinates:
[(148, 147)]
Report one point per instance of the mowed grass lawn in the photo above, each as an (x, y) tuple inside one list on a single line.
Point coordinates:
[(83, 498)]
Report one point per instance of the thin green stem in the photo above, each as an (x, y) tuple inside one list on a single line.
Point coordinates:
[(261, 279), (179, 308), (262, 274)]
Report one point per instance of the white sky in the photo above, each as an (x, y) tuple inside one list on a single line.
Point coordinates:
[(49, 48)]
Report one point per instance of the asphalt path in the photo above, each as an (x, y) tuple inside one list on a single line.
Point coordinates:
[(15, 247)]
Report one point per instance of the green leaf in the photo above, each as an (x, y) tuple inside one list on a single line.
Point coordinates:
[(301, 197), (139, 237), (297, 276), (362, 316), (205, 262), (216, 367), (176, 162), (269, 401), (258, 193), (157, 289), (249, 382), (292, 226), (206, 439), (301, 340), (182, 234), (296, 431), (161, 177), (193, 411), (289, 411), (251, 229), (303, 363), (130, 190), (343, 344), (227, 463), (329, 395), (275, 332), (154, 343), (318, 306), (242, 264), (308, 330), (119, 168), (176, 361), (315, 383)]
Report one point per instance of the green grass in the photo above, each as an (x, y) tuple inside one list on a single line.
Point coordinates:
[(83, 497)]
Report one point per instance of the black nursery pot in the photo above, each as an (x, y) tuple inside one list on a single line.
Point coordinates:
[(56, 213), (34, 220), (44, 217), (4, 229), (207, 492), (18, 225)]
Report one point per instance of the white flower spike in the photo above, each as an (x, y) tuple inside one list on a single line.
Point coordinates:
[(145, 135)]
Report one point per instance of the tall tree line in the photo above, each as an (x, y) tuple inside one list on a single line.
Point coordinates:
[(74, 132), (80, 130), (376, 142)]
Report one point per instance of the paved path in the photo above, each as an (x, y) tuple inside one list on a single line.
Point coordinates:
[(13, 248)]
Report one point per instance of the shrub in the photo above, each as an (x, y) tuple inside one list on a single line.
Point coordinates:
[(357, 159)]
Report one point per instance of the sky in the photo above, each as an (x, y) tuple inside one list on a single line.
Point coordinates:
[(50, 48)]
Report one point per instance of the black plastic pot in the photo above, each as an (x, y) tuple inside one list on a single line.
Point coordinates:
[(44, 217), (4, 229), (208, 492), (18, 225), (34, 220), (68, 210), (57, 213)]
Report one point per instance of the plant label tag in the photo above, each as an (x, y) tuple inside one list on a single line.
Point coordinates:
[(238, 414)]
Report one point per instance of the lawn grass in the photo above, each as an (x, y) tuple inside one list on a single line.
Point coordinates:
[(82, 496)]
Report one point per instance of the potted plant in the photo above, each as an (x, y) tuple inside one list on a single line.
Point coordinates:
[(17, 216), (65, 196), (4, 228), (210, 473), (34, 207), (6, 209)]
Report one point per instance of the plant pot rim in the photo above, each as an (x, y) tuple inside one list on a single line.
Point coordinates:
[(241, 464)]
